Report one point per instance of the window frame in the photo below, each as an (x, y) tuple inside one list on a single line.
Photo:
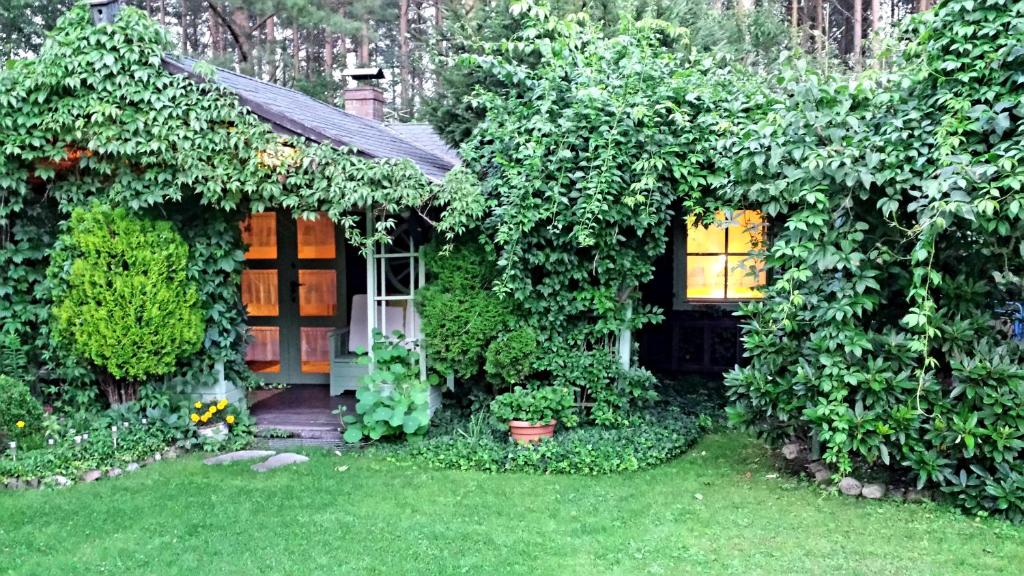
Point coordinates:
[(680, 231)]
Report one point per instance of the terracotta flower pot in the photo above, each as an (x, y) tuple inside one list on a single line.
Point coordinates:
[(528, 432)]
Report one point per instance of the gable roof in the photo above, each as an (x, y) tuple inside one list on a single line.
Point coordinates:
[(294, 113), (423, 135)]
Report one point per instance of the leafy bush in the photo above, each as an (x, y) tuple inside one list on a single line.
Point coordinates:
[(123, 301), (18, 405), (461, 315), (900, 193), (392, 399), (510, 358), (657, 436), (612, 393), (537, 405)]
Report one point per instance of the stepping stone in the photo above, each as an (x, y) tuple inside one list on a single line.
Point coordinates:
[(92, 476), (238, 456), (280, 460)]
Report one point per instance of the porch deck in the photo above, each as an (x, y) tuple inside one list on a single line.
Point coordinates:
[(304, 411)]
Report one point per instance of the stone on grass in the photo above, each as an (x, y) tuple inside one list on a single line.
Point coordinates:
[(873, 491), (33, 483), (285, 459), (91, 475), (60, 481), (819, 471), (792, 450), (238, 456), (915, 495), (114, 472), (896, 493), (170, 454), (850, 486), (132, 467), (15, 484)]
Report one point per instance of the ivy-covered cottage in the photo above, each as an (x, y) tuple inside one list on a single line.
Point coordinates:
[(304, 222)]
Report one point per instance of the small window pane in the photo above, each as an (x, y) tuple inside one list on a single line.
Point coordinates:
[(259, 232), (316, 238), (701, 240), (316, 350), (745, 274), (259, 292), (264, 351), (705, 277), (746, 234), (318, 292)]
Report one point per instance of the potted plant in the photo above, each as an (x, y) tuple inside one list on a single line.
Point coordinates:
[(533, 412), (213, 420)]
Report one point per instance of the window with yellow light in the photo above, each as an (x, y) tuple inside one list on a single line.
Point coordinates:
[(720, 260)]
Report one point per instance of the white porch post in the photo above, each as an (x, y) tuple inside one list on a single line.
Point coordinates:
[(626, 341), (371, 282)]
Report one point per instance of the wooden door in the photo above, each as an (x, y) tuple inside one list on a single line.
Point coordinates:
[(293, 288)]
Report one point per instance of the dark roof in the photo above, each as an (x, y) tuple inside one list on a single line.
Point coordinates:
[(293, 112), (423, 135)]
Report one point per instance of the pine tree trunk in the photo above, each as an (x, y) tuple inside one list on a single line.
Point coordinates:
[(329, 55), (364, 45), (403, 56), (271, 50), (343, 39), (923, 5), (295, 55), (794, 18), (858, 32), (240, 23), (439, 24), (819, 22)]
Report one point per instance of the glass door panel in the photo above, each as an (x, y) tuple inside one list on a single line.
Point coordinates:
[(259, 292), (316, 350), (264, 352), (316, 239), (259, 232), (318, 292)]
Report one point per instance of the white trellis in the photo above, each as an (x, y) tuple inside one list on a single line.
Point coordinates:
[(394, 309)]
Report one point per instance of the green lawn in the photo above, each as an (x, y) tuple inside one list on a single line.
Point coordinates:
[(378, 517)]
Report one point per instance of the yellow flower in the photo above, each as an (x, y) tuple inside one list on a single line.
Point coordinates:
[(222, 404), (198, 404), (195, 417), (205, 418), (213, 409), (230, 419), (20, 423)]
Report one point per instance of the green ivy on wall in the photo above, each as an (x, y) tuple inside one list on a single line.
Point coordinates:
[(95, 117), (898, 202)]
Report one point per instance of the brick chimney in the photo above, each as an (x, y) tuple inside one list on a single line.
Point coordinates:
[(365, 99)]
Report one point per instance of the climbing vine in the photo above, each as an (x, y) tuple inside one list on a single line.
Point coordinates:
[(898, 240), (96, 117)]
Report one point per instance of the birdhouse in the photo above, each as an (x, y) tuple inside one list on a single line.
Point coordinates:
[(104, 11)]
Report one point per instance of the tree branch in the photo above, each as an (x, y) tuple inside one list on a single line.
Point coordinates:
[(231, 28)]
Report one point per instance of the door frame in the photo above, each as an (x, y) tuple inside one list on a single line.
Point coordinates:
[(288, 321)]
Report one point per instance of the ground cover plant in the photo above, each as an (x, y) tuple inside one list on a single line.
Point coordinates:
[(898, 194), (718, 510)]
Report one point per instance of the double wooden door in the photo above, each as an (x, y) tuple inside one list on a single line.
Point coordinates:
[(293, 287)]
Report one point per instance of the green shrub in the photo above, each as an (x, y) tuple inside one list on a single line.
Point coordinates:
[(461, 315), (122, 299), (13, 357), (510, 358), (612, 393), (538, 404), (656, 436), (17, 405), (391, 399)]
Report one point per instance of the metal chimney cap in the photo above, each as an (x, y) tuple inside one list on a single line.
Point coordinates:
[(104, 11), (368, 73)]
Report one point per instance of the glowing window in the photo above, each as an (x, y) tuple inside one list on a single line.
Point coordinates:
[(259, 232), (719, 260)]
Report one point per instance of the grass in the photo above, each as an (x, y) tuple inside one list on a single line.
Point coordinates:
[(718, 510)]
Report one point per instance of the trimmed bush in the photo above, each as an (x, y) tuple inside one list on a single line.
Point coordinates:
[(122, 298)]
